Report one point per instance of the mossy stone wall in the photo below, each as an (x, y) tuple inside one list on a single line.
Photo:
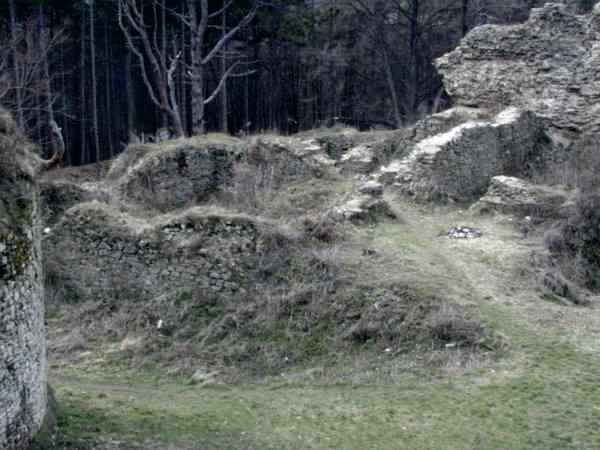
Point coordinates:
[(23, 391)]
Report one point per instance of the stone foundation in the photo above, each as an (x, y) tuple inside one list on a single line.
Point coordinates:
[(172, 175), (100, 254), (458, 165)]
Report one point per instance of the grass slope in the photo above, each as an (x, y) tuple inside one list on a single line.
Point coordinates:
[(541, 394)]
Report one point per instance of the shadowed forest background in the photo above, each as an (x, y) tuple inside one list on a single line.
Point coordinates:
[(281, 65)]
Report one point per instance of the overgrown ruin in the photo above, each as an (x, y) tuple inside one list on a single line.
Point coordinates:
[(261, 255)]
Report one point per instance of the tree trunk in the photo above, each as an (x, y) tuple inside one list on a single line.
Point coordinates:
[(224, 109), (15, 54), (107, 83), (413, 36), (246, 105), (130, 95), (63, 91), (94, 86), (197, 72), (163, 23), (174, 109), (183, 83), (46, 74), (82, 103), (464, 17), (392, 87)]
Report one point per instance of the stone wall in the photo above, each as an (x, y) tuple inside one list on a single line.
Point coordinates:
[(173, 175), (548, 65), (59, 195), (100, 254), (401, 141), (458, 165), (23, 392), (510, 195)]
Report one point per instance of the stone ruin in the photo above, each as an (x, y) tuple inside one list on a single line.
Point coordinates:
[(457, 165), (23, 391), (547, 65), (524, 95), (101, 254), (520, 90), (147, 230)]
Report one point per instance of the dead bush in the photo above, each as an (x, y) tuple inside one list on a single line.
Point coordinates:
[(585, 164), (69, 343), (448, 323), (575, 243), (323, 228)]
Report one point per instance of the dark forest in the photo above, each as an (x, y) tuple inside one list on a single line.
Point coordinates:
[(115, 71)]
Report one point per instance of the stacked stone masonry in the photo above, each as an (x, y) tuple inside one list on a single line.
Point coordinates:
[(23, 392), (105, 255), (177, 176), (548, 65), (458, 165)]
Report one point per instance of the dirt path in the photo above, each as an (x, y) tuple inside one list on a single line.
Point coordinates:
[(497, 267)]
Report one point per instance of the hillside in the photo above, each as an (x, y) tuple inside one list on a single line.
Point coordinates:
[(430, 287)]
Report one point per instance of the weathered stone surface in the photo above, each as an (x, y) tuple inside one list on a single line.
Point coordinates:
[(463, 232), (458, 165), (548, 65), (175, 174), (510, 195), (289, 159), (23, 392), (371, 188), (58, 196), (101, 254), (359, 159), (399, 143), (364, 209)]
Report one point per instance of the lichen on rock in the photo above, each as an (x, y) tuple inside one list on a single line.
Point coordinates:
[(457, 165), (106, 255), (23, 393), (510, 195), (547, 65)]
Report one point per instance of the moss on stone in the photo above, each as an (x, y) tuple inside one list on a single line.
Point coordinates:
[(24, 213), (18, 251), (22, 255)]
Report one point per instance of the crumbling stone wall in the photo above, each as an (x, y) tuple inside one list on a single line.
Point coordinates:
[(58, 196), (548, 64), (103, 255), (23, 392), (459, 164), (171, 176)]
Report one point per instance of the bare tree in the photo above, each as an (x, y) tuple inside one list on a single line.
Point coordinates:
[(25, 78), (200, 57), (224, 111), (59, 147), (82, 94), (108, 86), (94, 83), (160, 85), (402, 33), (14, 46)]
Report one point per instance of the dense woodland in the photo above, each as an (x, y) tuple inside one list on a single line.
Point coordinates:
[(112, 71)]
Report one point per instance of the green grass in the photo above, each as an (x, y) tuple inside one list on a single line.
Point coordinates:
[(548, 400), (542, 392)]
